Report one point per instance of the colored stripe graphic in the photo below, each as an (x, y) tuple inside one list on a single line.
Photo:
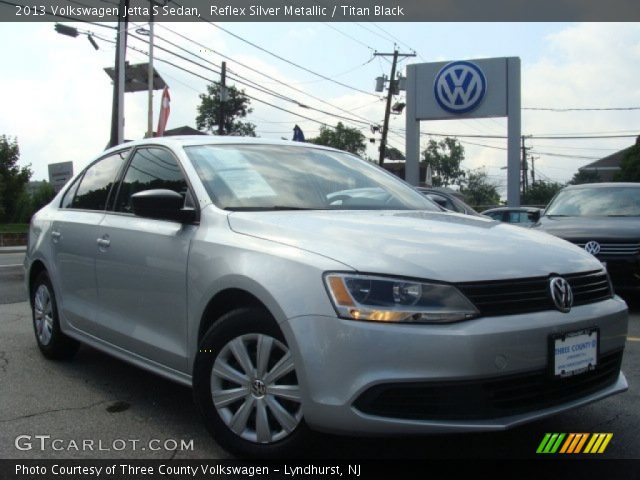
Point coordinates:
[(574, 443), (550, 443)]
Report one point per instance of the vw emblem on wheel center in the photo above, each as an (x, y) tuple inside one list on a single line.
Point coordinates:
[(258, 388), (460, 87), (561, 294), (592, 247)]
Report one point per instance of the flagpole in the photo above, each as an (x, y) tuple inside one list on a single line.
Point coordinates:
[(150, 74)]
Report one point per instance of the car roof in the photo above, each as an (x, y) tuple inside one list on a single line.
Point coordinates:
[(603, 185), (195, 140), (513, 209)]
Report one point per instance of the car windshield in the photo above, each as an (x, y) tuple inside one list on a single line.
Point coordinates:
[(282, 177), (593, 202)]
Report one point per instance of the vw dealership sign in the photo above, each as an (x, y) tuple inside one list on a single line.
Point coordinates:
[(460, 87), (482, 88)]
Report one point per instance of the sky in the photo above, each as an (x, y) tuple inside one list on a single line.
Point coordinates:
[(56, 97)]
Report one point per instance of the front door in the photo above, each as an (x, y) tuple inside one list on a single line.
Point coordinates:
[(141, 269)]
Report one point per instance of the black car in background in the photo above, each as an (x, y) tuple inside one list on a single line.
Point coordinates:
[(604, 219), (447, 200), (522, 216)]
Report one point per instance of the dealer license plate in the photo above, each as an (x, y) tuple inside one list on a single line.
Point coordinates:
[(575, 352)]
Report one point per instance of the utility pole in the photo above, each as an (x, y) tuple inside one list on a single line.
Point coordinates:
[(533, 170), (117, 106), (392, 90), (150, 106), (524, 166), (223, 97)]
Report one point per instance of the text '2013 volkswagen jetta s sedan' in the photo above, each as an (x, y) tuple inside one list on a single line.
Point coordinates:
[(251, 270)]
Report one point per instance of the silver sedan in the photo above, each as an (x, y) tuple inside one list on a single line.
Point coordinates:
[(300, 288)]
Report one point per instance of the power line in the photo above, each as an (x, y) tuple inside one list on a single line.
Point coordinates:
[(586, 109), (395, 38), (279, 57), (348, 36), (543, 137), (247, 83), (262, 73), (214, 81)]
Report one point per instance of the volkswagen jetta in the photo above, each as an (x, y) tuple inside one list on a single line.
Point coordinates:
[(300, 288)]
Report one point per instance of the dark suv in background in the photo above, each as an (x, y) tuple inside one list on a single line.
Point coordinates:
[(604, 219)]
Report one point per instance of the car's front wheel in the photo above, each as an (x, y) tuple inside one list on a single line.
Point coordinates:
[(53, 344), (246, 387)]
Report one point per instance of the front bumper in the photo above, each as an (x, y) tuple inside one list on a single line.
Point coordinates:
[(337, 361)]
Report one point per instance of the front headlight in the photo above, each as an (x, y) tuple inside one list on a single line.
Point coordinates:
[(381, 299)]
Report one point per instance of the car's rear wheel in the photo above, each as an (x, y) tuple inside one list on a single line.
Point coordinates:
[(246, 387), (53, 344)]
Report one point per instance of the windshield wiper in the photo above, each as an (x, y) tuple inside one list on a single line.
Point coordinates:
[(266, 209)]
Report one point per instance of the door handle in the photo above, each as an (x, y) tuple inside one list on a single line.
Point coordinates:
[(104, 242), (55, 236)]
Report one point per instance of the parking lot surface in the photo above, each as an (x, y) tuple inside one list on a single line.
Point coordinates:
[(99, 407)]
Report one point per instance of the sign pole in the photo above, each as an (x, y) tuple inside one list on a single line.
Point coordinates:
[(513, 132), (412, 138)]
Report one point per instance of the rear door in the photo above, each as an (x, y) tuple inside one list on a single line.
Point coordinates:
[(141, 270), (74, 239)]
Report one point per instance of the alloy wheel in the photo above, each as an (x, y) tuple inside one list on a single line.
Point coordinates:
[(255, 389)]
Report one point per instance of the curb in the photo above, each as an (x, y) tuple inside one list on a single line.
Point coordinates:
[(17, 249)]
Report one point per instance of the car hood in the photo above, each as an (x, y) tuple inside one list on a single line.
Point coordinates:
[(591, 228), (438, 246)]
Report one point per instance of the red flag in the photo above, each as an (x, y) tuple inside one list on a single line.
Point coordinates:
[(164, 112)]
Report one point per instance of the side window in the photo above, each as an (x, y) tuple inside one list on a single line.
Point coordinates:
[(150, 169), (68, 196), (517, 217), (97, 181)]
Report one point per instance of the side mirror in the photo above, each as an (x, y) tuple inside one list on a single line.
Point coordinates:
[(162, 205), (535, 216)]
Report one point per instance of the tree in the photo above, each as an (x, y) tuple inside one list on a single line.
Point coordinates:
[(541, 193), (445, 157), (28, 204), (343, 138), (393, 153), (630, 165), (585, 176), (235, 107), (478, 188), (13, 179)]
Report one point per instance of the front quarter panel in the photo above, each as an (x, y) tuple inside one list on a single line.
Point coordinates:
[(286, 279)]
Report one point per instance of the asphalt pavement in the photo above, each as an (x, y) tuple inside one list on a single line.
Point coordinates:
[(51, 409), (12, 289)]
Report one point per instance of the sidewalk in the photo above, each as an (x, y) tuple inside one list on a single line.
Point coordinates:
[(17, 249)]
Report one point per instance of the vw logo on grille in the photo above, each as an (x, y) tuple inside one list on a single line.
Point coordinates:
[(460, 87), (592, 247), (561, 294)]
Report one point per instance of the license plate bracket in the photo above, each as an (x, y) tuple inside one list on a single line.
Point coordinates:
[(574, 353)]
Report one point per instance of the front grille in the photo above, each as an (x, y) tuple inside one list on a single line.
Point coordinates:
[(524, 295), (616, 249), (486, 398)]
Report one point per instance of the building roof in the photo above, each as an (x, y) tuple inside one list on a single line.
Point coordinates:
[(184, 130), (611, 162)]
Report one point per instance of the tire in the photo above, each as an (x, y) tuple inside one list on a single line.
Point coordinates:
[(53, 344), (257, 411)]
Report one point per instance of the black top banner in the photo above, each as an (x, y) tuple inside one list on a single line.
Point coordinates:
[(321, 10)]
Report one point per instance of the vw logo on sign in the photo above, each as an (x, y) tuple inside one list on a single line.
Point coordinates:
[(561, 294), (460, 87), (592, 247)]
